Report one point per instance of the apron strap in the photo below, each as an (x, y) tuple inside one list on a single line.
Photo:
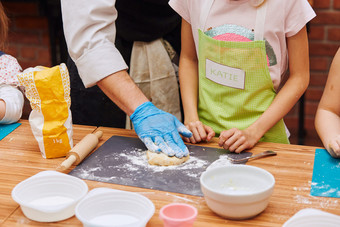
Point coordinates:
[(206, 7), (259, 23)]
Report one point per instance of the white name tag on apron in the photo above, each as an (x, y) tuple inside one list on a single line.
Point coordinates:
[(224, 75)]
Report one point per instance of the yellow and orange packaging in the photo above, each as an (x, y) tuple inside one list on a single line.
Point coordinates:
[(48, 90)]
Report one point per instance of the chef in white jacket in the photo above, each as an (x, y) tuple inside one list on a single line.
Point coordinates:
[(90, 31)]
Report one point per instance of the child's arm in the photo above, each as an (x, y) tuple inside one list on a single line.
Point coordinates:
[(327, 120), (2, 108), (13, 102), (239, 140), (188, 78)]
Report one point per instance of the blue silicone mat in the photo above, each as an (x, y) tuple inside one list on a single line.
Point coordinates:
[(7, 129), (326, 175)]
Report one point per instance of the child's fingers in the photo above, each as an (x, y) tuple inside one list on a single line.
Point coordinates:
[(239, 142), (193, 131), (198, 131), (231, 140), (194, 135), (242, 147), (202, 132), (335, 145), (224, 136), (196, 138), (210, 131), (337, 150), (186, 139)]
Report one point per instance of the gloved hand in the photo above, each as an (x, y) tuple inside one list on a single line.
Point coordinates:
[(159, 130)]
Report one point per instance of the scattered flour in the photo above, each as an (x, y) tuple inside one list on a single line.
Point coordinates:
[(301, 188), (130, 167), (222, 161), (323, 202), (137, 159), (302, 199)]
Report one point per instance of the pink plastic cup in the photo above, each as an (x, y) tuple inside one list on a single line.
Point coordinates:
[(178, 215)]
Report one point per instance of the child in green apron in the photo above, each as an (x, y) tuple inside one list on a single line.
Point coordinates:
[(327, 119), (233, 56)]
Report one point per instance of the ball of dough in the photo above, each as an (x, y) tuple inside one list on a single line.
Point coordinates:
[(161, 159)]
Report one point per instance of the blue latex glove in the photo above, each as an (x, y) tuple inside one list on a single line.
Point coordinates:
[(159, 130)]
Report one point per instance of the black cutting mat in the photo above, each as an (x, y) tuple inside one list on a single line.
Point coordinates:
[(122, 160)]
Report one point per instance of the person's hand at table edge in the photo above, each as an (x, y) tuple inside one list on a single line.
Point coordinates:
[(160, 130)]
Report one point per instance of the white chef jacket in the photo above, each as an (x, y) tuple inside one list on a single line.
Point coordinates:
[(90, 31)]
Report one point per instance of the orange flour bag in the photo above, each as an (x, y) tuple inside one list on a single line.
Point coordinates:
[(48, 90)]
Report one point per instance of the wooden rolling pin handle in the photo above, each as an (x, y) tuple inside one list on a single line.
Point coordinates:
[(85, 146), (81, 150), (67, 163)]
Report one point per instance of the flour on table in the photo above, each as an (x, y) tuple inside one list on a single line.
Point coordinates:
[(302, 199), (136, 160), (222, 161)]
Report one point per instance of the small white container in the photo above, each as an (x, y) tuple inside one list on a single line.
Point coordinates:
[(104, 207), (237, 191), (49, 196)]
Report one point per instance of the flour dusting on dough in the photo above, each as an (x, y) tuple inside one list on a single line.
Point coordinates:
[(161, 159)]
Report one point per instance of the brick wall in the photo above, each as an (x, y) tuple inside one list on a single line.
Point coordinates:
[(29, 42), (28, 38)]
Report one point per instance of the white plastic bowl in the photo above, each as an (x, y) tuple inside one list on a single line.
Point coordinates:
[(237, 191), (310, 217), (104, 207), (49, 196)]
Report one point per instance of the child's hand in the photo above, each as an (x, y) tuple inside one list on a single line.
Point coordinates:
[(334, 144), (2, 109), (236, 140), (200, 132)]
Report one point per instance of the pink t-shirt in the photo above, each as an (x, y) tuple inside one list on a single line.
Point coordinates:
[(284, 18)]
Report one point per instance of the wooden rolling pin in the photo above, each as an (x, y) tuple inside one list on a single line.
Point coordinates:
[(81, 150)]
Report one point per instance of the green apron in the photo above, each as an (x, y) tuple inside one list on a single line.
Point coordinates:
[(235, 87)]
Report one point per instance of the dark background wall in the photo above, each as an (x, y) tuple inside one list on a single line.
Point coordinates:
[(36, 38)]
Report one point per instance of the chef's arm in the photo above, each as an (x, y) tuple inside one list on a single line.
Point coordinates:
[(188, 74), (121, 89), (294, 87), (90, 31)]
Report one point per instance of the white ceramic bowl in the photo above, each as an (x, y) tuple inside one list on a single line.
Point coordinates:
[(237, 191), (49, 196), (104, 207)]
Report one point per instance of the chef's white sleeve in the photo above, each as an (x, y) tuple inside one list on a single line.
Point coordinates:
[(90, 31)]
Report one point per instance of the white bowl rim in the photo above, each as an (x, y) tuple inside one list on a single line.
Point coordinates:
[(270, 186), (105, 193), (49, 177)]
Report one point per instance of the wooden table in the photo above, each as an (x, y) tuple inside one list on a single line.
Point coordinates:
[(292, 168)]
